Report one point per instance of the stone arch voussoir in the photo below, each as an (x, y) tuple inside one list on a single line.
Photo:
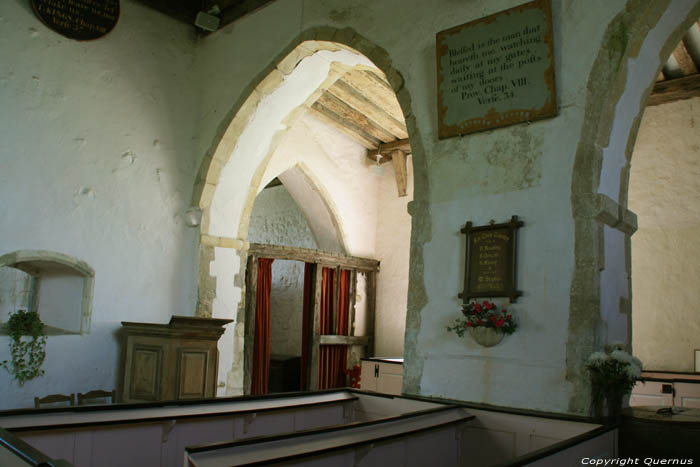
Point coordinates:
[(624, 38), (233, 124)]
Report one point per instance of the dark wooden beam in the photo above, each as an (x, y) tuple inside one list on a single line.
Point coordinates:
[(316, 329), (386, 149), (398, 160), (307, 255), (353, 118), (675, 89), (371, 310), (369, 109)]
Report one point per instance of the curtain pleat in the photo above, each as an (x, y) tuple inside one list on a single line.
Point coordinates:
[(261, 346), (333, 358), (307, 318), (326, 327)]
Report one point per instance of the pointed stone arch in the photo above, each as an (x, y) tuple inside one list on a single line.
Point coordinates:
[(223, 246), (636, 43)]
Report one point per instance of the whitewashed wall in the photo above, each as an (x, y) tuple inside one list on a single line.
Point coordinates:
[(97, 161), (523, 170), (393, 251), (15, 291), (103, 139), (665, 195), (277, 220)]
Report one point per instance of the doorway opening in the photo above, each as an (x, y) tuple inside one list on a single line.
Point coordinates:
[(330, 129), (664, 192)]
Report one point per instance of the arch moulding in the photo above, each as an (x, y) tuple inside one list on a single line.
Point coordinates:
[(229, 134), (592, 209)]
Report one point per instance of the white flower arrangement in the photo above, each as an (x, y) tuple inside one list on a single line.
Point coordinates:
[(613, 373)]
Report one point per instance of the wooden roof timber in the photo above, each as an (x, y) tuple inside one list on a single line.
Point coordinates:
[(357, 119), (329, 118), (377, 90), (365, 106), (684, 59), (675, 89), (386, 150), (324, 258)]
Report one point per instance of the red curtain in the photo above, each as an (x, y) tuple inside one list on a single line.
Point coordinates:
[(261, 346), (326, 325), (307, 318), (333, 358)]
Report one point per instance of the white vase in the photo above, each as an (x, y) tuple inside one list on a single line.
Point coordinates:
[(487, 337)]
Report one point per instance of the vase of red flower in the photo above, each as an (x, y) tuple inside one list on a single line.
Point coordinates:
[(485, 322)]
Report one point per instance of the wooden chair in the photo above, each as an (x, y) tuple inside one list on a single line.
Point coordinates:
[(96, 396), (54, 400)]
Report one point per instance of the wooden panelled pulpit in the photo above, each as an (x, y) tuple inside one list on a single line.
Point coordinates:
[(173, 361)]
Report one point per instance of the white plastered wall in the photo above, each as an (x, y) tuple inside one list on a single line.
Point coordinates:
[(277, 220), (108, 114), (524, 170), (393, 242), (665, 194), (97, 161)]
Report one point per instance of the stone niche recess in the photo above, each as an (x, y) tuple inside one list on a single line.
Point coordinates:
[(57, 286)]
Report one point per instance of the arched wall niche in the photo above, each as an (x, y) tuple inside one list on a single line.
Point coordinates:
[(233, 170), (636, 44), (63, 283)]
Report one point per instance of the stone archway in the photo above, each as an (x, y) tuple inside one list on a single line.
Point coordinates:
[(232, 172), (635, 44)]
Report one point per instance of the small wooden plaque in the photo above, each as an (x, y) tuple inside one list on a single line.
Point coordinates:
[(496, 71), (82, 20), (490, 261)]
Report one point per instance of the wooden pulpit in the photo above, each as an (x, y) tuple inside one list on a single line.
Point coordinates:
[(173, 361)]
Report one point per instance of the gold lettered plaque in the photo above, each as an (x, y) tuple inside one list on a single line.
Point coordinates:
[(490, 260), (78, 19), (496, 71)]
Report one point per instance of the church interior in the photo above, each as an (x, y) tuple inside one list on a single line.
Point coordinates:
[(258, 201)]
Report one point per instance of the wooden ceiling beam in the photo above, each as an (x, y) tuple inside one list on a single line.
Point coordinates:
[(376, 90), (685, 61), (326, 116), (398, 160), (353, 117), (386, 150), (346, 93), (675, 89)]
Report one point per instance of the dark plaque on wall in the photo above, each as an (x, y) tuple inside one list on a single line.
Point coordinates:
[(78, 19), (496, 71), (490, 260)]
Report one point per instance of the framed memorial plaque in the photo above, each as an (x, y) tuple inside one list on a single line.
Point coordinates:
[(78, 19), (496, 71), (490, 261)]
